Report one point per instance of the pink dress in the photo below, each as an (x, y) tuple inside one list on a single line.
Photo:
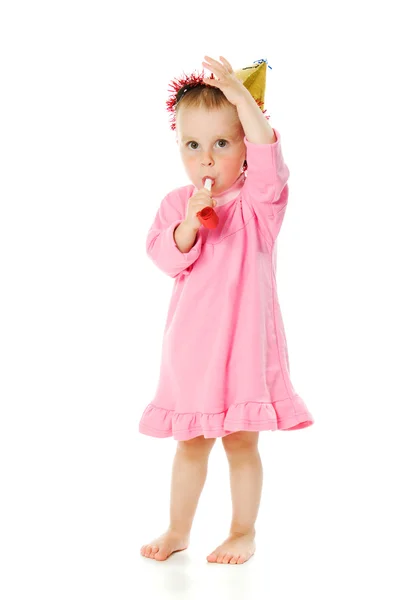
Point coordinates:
[(224, 363)]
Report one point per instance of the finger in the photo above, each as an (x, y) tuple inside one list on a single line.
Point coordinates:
[(216, 67), (206, 202), (223, 68), (226, 63), (216, 72), (211, 60), (202, 205), (214, 62)]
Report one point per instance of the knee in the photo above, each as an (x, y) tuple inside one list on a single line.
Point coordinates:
[(198, 446), (240, 442)]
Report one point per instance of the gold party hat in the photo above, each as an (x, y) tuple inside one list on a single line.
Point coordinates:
[(254, 79)]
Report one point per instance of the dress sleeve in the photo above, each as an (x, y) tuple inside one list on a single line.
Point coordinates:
[(266, 189), (160, 242)]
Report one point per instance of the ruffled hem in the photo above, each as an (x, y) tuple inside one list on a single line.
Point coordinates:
[(247, 416)]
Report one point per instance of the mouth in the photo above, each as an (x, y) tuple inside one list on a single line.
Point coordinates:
[(207, 177)]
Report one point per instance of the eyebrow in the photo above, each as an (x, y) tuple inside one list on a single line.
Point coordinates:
[(217, 137)]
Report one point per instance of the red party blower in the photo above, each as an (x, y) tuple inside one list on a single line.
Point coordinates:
[(207, 216)]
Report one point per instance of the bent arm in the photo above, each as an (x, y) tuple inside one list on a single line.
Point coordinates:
[(167, 247)]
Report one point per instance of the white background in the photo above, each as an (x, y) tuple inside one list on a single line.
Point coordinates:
[(86, 157)]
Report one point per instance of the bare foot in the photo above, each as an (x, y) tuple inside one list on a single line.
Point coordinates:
[(162, 547), (235, 550)]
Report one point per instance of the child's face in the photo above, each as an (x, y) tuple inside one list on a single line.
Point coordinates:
[(211, 144)]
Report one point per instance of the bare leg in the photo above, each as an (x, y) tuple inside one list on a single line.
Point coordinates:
[(246, 477), (188, 477)]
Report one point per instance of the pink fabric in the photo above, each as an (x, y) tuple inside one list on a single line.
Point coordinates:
[(225, 364)]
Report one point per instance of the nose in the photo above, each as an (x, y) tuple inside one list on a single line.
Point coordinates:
[(207, 160)]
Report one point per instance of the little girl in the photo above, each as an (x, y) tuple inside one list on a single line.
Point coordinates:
[(225, 367)]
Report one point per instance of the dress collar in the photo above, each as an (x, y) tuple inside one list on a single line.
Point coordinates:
[(232, 192)]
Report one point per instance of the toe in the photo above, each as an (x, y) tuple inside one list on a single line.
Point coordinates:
[(220, 558), (241, 559), (212, 557), (149, 551), (161, 555), (233, 560), (227, 558)]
